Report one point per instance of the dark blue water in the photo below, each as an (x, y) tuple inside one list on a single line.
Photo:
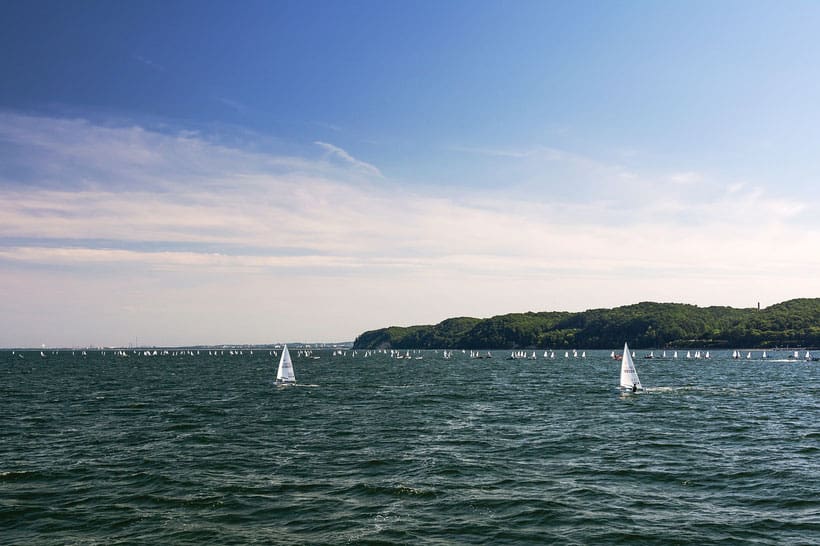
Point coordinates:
[(202, 449)]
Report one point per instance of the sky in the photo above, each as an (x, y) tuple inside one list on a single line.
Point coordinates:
[(176, 173)]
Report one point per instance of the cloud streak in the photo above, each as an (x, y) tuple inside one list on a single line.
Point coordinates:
[(149, 63), (341, 154)]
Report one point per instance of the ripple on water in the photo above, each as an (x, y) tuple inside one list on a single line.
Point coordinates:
[(204, 449)]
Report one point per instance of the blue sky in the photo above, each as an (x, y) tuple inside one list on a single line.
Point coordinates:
[(188, 172)]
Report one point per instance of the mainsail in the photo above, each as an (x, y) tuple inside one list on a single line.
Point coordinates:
[(629, 377), (285, 373)]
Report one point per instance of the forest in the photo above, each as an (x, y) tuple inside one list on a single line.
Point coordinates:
[(793, 323)]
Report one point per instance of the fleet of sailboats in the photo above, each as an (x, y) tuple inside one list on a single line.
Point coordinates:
[(629, 380)]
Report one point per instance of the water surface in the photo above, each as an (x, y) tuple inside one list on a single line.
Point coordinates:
[(190, 449)]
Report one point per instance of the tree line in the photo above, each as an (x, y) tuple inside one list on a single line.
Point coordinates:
[(793, 323)]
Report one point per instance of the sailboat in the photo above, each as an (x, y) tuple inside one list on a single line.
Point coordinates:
[(285, 375), (629, 377)]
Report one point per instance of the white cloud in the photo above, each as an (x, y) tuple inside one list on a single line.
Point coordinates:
[(346, 157), (686, 178), (329, 126), (318, 240), (149, 63), (234, 105)]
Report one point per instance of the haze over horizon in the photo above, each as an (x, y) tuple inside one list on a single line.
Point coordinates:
[(189, 173)]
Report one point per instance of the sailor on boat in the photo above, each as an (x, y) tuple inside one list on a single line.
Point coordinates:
[(629, 377)]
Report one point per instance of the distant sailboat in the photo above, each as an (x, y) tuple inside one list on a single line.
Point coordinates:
[(629, 377), (285, 375)]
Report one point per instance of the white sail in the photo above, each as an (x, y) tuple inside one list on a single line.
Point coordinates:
[(629, 377), (285, 373)]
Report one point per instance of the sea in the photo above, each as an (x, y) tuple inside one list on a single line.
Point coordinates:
[(196, 448)]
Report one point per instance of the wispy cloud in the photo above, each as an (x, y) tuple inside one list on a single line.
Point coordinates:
[(137, 211), (234, 105), (539, 152), (492, 152), (149, 63), (330, 126), (346, 157), (685, 178)]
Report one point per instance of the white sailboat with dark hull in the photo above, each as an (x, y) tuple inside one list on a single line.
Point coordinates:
[(285, 375), (629, 377)]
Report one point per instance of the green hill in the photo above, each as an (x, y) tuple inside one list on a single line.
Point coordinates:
[(794, 323)]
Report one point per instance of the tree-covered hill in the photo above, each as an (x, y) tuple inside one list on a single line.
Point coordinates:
[(794, 323)]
